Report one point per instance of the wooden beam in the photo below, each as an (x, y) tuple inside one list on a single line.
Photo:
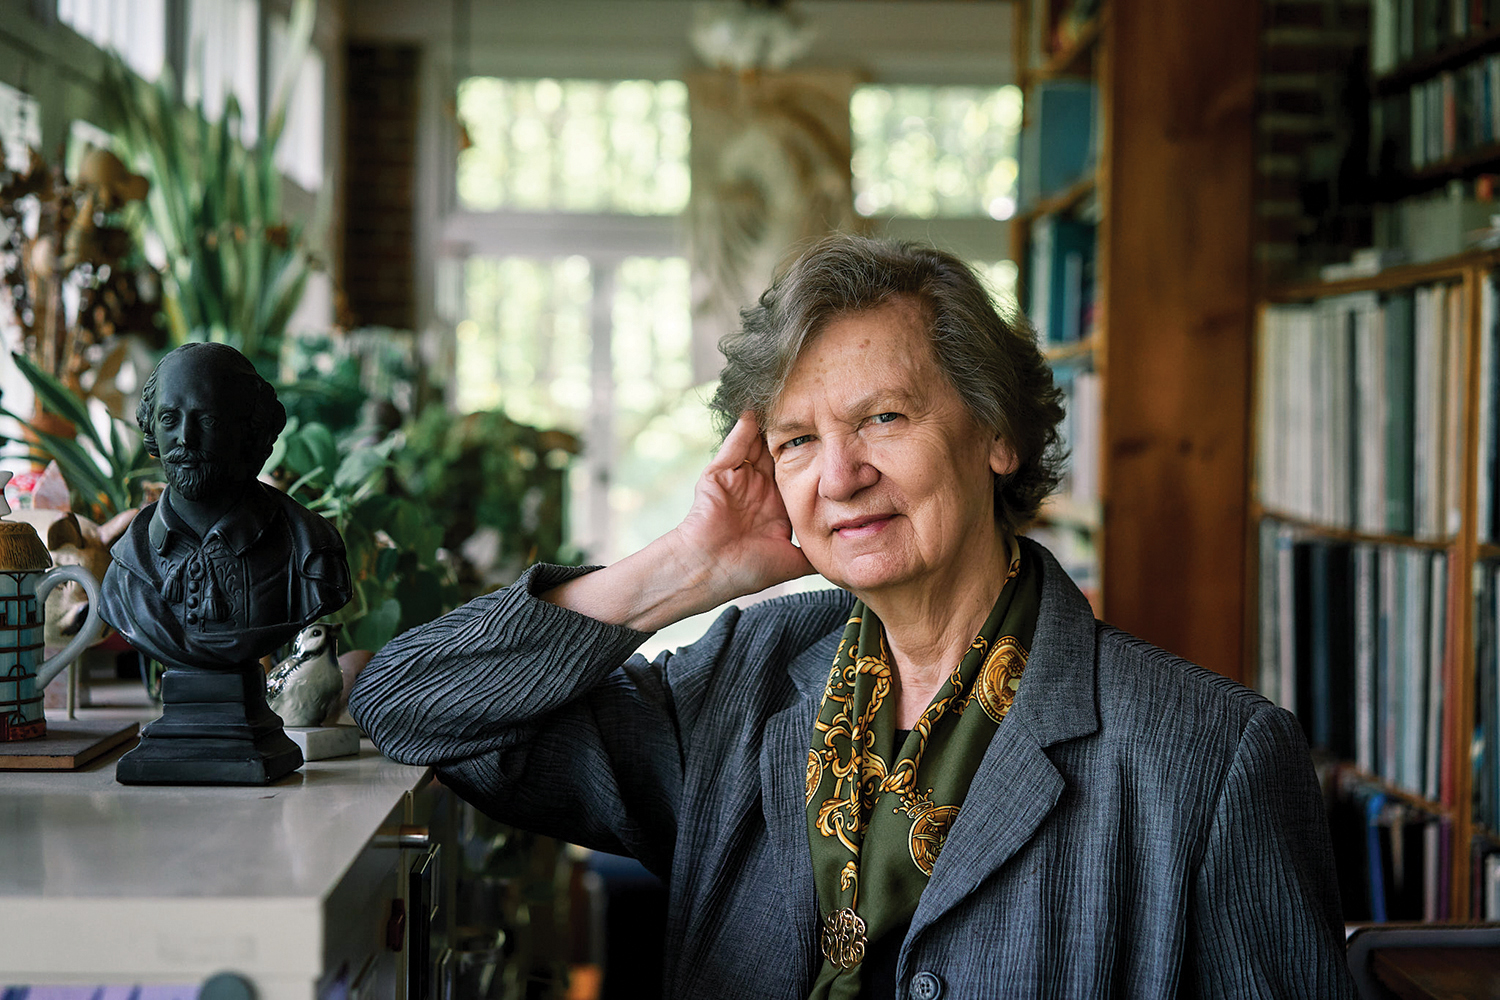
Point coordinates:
[(1180, 84)]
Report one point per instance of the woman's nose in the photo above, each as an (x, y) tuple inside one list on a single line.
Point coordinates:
[(845, 471)]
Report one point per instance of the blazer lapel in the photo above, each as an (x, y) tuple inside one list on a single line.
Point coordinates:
[(783, 767), (1017, 786)]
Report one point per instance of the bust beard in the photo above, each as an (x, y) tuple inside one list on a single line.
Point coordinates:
[(201, 479)]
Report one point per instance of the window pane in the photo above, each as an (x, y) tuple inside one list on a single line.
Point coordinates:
[(524, 347), (20, 127), (137, 29), (574, 145), (935, 151), (223, 58), (663, 433), (299, 155)]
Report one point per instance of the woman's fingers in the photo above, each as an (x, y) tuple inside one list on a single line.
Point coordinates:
[(741, 444)]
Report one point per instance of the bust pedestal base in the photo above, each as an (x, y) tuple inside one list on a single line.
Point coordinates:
[(215, 729)]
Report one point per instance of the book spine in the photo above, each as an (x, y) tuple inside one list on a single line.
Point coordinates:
[(1485, 444), (1364, 657), (1453, 396), (1413, 710), (1387, 690), (1376, 849), (1437, 667), (1400, 385)]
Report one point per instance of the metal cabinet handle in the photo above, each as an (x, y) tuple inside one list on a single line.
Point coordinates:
[(402, 837)]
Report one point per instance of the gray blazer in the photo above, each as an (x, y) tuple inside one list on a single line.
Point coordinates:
[(1139, 826)]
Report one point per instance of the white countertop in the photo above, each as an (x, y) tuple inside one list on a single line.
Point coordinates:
[(102, 878)]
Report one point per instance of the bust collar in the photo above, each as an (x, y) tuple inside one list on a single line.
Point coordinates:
[(239, 528)]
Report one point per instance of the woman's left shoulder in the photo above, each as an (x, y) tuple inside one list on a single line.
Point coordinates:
[(1144, 688)]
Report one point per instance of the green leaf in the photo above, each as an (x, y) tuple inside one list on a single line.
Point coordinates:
[(378, 627), (57, 398), (278, 449), (78, 467), (358, 467)]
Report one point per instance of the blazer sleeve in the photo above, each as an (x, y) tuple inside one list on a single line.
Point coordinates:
[(1265, 918), (541, 716)]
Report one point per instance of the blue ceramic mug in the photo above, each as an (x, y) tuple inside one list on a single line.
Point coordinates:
[(23, 599)]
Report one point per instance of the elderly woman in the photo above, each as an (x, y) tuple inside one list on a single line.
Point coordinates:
[(945, 776)]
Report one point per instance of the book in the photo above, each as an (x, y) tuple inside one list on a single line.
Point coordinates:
[(1377, 852), (1057, 297), (1437, 645), (1400, 344), (1452, 398), (1059, 143), (1369, 399), (1365, 664)]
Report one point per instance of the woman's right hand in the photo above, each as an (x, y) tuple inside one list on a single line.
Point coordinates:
[(735, 540), (737, 537)]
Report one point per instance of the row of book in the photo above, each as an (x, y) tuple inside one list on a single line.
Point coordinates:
[(1402, 30), (1362, 406), (1059, 143), (1393, 860), (1060, 282), (1355, 641), (1486, 885), (1439, 118), (1487, 512), (1486, 752), (1080, 433)]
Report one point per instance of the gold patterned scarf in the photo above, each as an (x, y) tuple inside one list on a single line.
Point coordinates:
[(878, 814)]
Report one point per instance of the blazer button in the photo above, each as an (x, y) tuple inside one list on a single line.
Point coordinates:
[(925, 986)]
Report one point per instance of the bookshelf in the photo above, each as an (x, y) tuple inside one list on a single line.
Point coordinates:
[(1384, 652), (1164, 349), (1054, 241), (1434, 88)]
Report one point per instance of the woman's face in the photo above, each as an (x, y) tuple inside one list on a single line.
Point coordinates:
[(886, 477)]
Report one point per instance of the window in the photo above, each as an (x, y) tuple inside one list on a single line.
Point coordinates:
[(136, 29), (575, 309), (602, 349), (929, 152), (525, 345), (574, 146), (299, 156), (20, 126), (223, 58)]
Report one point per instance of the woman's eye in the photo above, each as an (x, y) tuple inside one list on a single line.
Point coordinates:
[(884, 418), (800, 439)]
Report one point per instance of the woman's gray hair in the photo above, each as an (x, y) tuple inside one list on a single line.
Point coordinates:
[(994, 364)]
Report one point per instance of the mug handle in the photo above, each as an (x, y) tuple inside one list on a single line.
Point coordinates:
[(85, 635)]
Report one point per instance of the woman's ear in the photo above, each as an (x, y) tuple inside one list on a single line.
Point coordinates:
[(1003, 459)]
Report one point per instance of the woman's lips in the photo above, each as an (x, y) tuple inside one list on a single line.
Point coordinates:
[(862, 527)]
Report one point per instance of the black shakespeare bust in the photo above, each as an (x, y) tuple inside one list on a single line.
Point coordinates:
[(219, 572)]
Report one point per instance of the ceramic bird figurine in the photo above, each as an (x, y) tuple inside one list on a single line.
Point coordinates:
[(305, 685)]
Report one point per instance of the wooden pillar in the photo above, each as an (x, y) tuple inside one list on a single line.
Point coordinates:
[(1178, 177)]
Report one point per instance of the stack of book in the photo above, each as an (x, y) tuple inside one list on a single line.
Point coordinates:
[(1362, 404), (1355, 640)]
